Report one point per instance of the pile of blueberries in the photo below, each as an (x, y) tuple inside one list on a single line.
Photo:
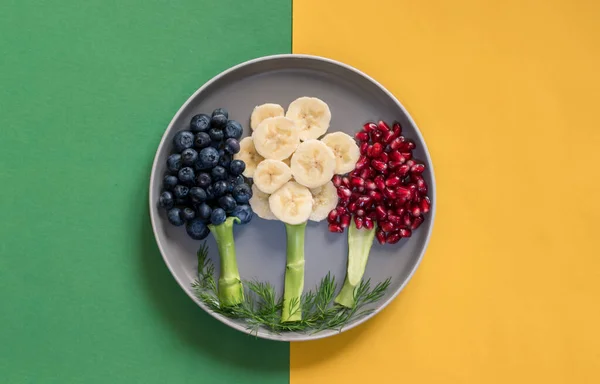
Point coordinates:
[(204, 184)]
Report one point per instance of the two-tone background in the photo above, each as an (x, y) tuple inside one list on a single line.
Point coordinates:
[(505, 92)]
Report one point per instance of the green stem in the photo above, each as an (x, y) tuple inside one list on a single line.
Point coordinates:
[(294, 273), (230, 289), (359, 246)]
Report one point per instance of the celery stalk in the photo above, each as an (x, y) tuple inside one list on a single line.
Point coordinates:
[(294, 273), (230, 289)]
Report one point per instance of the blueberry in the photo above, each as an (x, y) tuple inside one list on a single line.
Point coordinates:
[(186, 175), (174, 216), (188, 213), (197, 195), (204, 211), (233, 130), (243, 212), (201, 140), (217, 144), (238, 180), (216, 134), (181, 201), (218, 121), (166, 200), (189, 157), (217, 216), (227, 203), (224, 159), (196, 229), (242, 193), (183, 140), (218, 173), (230, 185), (237, 167), (208, 158), (220, 111), (219, 188), (200, 123), (203, 180), (210, 193), (181, 191), (174, 162), (169, 182), (232, 146)]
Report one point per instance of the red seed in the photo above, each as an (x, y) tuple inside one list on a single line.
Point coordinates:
[(379, 165), (397, 142), (370, 126), (423, 189), (358, 221), (376, 136), (363, 148), (413, 190), (332, 217), (386, 226), (389, 193), (335, 228), (356, 181), (363, 201), (345, 181), (382, 125), (380, 212), (362, 136), (355, 195), (370, 151), (397, 128), (341, 210), (368, 223), (417, 222), (392, 181), (384, 157), (360, 212), (407, 220), (425, 204), (403, 169), (403, 193), (410, 163), (365, 173), (409, 145), (394, 219), (415, 210), (372, 215), (343, 192), (395, 156), (417, 168), (376, 150), (380, 235), (394, 164), (405, 232), (370, 185), (344, 221), (375, 196), (393, 238), (362, 162), (389, 136), (380, 183), (337, 180), (400, 211), (352, 207), (343, 201), (406, 155)]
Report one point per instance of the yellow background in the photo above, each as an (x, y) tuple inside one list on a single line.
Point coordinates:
[(506, 94)]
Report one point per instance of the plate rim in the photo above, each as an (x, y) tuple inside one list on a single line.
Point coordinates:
[(262, 333)]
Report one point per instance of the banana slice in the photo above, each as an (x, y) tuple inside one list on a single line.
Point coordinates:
[(248, 155), (276, 138), (345, 149), (260, 204), (325, 199), (270, 175), (291, 203), (263, 112), (311, 116), (313, 164)]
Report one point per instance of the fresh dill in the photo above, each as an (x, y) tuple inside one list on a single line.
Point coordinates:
[(262, 309)]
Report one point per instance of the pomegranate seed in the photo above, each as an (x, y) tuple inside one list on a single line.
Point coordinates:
[(341, 211), (400, 211), (380, 235), (356, 181), (403, 193), (335, 228), (403, 170), (368, 223), (354, 196), (425, 204), (352, 207), (372, 215), (407, 220), (376, 136), (406, 155), (362, 162), (375, 196), (395, 155), (379, 165), (397, 128), (344, 221), (380, 212), (380, 183), (343, 201), (343, 192), (358, 221), (396, 220), (389, 193), (410, 163), (397, 143), (393, 238), (345, 181), (417, 168), (392, 181), (370, 126), (386, 226), (360, 212), (405, 232), (423, 189), (370, 185), (384, 157), (363, 201), (332, 217), (370, 151), (409, 145), (376, 150), (394, 164), (363, 148), (417, 222), (337, 180), (382, 125), (389, 136), (413, 190), (415, 210), (362, 136)]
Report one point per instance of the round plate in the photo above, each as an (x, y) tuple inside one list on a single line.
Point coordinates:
[(354, 98)]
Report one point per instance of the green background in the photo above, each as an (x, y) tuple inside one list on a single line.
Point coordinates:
[(86, 91)]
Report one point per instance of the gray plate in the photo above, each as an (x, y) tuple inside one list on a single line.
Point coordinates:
[(354, 98)]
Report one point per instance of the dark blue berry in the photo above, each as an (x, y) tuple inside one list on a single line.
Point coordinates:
[(197, 195), (208, 158), (201, 140), (239, 180), (232, 146), (200, 123), (242, 193), (189, 157), (186, 175), (169, 182), (203, 180), (237, 167), (218, 173), (218, 121), (210, 193), (188, 213), (217, 144), (220, 111), (181, 191), (216, 134), (166, 200), (181, 201), (183, 140), (174, 216), (233, 130), (196, 229), (217, 216), (227, 203), (224, 159), (219, 188), (243, 212), (230, 184), (174, 162), (204, 211)]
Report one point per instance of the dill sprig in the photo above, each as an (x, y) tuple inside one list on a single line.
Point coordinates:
[(261, 307)]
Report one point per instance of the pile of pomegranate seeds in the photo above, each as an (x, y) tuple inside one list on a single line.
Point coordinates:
[(385, 189)]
